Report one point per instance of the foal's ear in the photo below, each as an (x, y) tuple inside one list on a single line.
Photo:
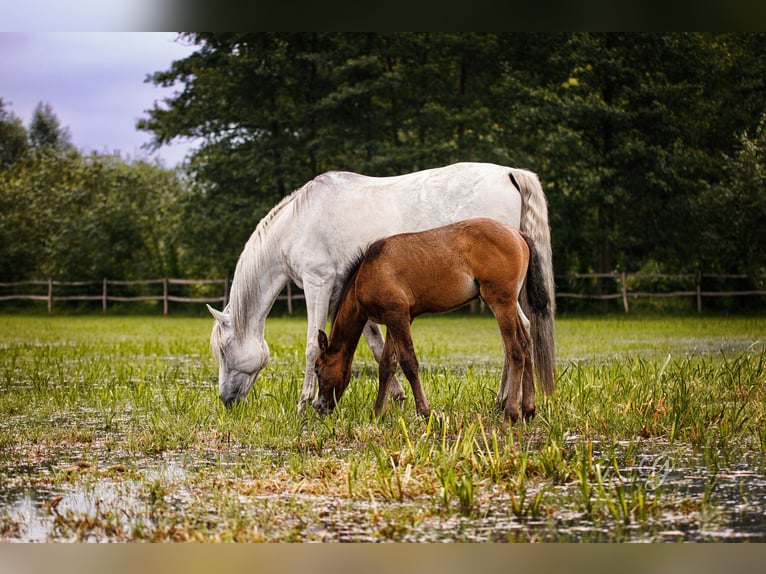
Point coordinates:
[(323, 343)]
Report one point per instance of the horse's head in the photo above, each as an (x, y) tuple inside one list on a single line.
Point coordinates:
[(331, 381), (240, 358)]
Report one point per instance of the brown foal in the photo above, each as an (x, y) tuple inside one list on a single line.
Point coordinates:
[(433, 271)]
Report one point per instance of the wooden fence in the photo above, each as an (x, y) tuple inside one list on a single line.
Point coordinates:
[(624, 292), (107, 295)]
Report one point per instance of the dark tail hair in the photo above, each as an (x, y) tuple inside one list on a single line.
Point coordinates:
[(537, 294)]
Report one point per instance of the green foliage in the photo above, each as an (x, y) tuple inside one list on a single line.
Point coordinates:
[(629, 132), (650, 146), (46, 134), (13, 138), (735, 210), (84, 218)]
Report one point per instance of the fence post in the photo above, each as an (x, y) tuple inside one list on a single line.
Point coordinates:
[(103, 297), (290, 298), (50, 294), (165, 296), (699, 292), (624, 280)]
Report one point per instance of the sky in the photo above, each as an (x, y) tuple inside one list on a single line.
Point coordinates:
[(94, 81)]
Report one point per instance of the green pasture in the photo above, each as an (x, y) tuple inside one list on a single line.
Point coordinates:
[(111, 429)]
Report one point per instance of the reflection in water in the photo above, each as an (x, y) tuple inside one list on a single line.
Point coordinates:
[(695, 504)]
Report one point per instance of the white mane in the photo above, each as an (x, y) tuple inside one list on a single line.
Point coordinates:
[(245, 287)]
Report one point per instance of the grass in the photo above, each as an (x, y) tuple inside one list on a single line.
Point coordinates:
[(111, 429)]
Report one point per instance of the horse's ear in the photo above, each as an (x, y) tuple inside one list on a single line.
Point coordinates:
[(222, 318), (323, 343)]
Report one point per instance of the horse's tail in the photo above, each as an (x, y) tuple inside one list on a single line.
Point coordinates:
[(537, 297), (534, 224)]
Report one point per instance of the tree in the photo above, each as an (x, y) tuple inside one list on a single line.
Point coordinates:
[(85, 218), (276, 109), (46, 133), (626, 130), (734, 238), (13, 137)]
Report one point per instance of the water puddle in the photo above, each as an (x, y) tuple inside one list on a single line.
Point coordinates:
[(61, 497)]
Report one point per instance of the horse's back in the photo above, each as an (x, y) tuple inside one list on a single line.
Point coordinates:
[(421, 199)]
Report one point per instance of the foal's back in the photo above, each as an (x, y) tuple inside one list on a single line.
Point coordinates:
[(441, 269)]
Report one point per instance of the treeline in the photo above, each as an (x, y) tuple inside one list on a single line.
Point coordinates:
[(650, 146), (72, 216)]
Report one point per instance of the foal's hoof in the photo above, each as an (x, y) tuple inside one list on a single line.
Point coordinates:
[(529, 415), (510, 417)]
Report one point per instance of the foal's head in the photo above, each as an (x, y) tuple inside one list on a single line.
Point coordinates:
[(331, 378)]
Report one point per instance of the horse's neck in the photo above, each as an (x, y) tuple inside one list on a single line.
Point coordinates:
[(347, 327), (258, 280)]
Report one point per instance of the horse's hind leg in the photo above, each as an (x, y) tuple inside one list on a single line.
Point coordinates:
[(387, 367), (528, 382), (374, 340)]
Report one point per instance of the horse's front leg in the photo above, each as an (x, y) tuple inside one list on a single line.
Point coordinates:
[(317, 304), (375, 341), (399, 329)]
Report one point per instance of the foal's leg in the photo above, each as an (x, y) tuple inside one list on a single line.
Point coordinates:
[(502, 392), (509, 323), (386, 370), (399, 329), (515, 355), (375, 341)]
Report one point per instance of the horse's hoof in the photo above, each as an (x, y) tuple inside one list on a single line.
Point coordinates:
[(529, 415)]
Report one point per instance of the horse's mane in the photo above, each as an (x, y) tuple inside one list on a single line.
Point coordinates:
[(349, 275), (245, 289)]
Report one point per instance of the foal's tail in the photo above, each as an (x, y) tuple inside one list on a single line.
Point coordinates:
[(534, 224), (537, 296)]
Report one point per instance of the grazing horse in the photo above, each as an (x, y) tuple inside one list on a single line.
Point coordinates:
[(312, 235), (438, 270)]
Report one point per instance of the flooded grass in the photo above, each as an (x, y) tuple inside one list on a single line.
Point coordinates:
[(111, 430)]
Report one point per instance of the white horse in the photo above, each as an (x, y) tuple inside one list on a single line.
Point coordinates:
[(311, 236)]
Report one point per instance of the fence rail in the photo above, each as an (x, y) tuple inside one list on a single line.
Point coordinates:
[(106, 296), (625, 293)]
